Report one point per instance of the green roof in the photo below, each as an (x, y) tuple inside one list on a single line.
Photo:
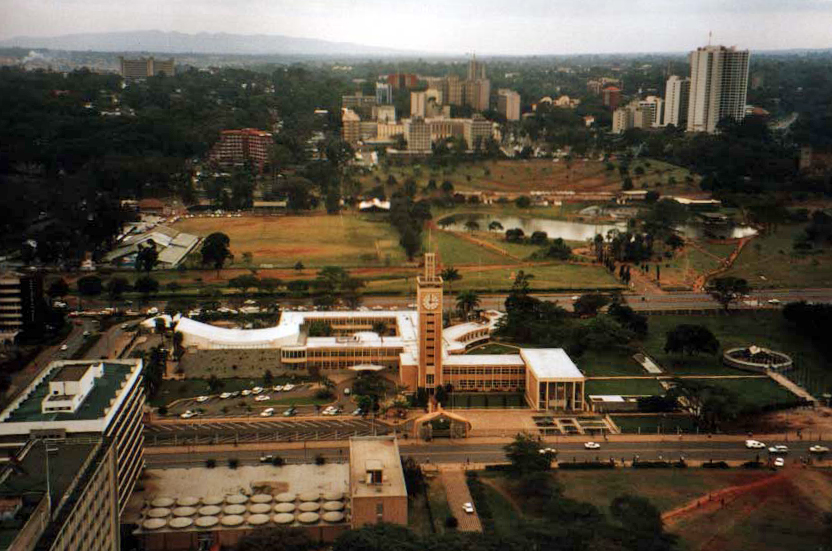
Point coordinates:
[(104, 391)]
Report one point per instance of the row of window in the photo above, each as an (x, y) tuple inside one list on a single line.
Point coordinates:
[(484, 370), (473, 384)]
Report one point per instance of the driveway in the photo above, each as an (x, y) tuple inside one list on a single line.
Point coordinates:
[(457, 491)]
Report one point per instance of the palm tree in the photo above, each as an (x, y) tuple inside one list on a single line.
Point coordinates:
[(467, 301), (494, 225), (380, 327), (450, 274)]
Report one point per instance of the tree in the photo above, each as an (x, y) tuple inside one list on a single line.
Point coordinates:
[(90, 286), (276, 538), (215, 384), (523, 202), (525, 455), (244, 282), (378, 537), (538, 238), (147, 286), (215, 250), (710, 405), (590, 303), (691, 339), (449, 275), (627, 317), (495, 225), (298, 265), (268, 284), (466, 302), (726, 290), (147, 256), (472, 225), (58, 288), (641, 523), (116, 287), (414, 478)]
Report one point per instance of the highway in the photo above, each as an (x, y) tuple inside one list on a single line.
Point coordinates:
[(462, 452)]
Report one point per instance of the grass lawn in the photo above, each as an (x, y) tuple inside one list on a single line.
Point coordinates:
[(549, 277), (438, 503), (608, 363), (754, 393), (456, 250), (652, 424), (666, 489), (418, 516), (632, 387), (769, 261), (316, 240)]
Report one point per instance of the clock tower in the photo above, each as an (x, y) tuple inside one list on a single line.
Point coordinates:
[(429, 299)]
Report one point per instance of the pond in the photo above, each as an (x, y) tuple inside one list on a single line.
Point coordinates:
[(582, 231), (569, 231)]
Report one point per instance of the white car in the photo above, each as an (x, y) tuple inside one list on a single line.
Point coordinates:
[(64, 348), (202, 399), (268, 412), (188, 414), (153, 311), (817, 448), (780, 448), (245, 392), (754, 445), (779, 462), (288, 387), (262, 398), (592, 445), (225, 395), (268, 458), (547, 450), (774, 301), (468, 507), (278, 388), (257, 390)]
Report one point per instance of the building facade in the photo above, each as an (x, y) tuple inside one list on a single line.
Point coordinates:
[(718, 87), (418, 103), (377, 487), (417, 134), (133, 69), (676, 96), (611, 97), (384, 93), (22, 304), (240, 146)]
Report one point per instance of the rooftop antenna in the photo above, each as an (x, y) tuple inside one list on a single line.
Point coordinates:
[(710, 36)]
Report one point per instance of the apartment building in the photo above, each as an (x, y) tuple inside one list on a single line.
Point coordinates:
[(417, 134), (384, 93), (236, 147), (478, 94), (718, 87), (134, 69), (350, 126), (476, 130), (402, 81), (83, 398), (361, 104), (611, 97), (418, 104)]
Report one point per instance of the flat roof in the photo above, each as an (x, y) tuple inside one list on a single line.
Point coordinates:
[(105, 389), (484, 359), (376, 450), (71, 372), (551, 363)]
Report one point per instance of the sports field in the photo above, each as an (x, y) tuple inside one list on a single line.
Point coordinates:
[(316, 240)]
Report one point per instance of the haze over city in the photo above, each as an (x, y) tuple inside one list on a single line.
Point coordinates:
[(455, 27)]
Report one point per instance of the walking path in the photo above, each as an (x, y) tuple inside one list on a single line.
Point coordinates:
[(786, 383), (457, 491)]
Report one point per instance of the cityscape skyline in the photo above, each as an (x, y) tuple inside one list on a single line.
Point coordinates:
[(532, 28)]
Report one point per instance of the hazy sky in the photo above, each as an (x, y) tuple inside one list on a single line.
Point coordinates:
[(452, 26)]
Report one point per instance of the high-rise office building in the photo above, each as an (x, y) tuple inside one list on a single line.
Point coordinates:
[(611, 97), (239, 146), (476, 69), (351, 125), (384, 93), (146, 67), (478, 94), (718, 87), (508, 104), (22, 305), (417, 134), (676, 96), (452, 90)]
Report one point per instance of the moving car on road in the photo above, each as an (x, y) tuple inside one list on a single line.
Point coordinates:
[(754, 445), (780, 448), (592, 445), (262, 398), (779, 462), (268, 412), (817, 448), (291, 412), (202, 399), (188, 414)]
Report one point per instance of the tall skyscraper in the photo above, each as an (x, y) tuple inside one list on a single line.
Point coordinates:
[(418, 102), (718, 86), (476, 69), (676, 96)]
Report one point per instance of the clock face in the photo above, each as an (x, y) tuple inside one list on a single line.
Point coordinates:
[(430, 302)]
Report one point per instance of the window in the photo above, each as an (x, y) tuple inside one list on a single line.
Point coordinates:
[(379, 510), (429, 380)]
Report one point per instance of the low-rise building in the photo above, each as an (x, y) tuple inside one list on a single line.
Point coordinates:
[(377, 488)]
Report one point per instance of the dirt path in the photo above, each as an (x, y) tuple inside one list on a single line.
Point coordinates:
[(700, 282), (485, 245), (716, 500)]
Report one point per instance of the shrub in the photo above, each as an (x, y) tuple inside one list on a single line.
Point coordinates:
[(587, 466), (715, 465), (162, 410), (320, 460), (278, 461), (233, 463), (210, 463), (753, 465), (451, 522)]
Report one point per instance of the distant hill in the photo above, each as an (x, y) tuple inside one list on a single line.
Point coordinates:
[(200, 43)]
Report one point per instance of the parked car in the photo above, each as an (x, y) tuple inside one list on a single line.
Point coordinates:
[(774, 301), (267, 458), (202, 399), (225, 395), (277, 388), (779, 462), (86, 333), (468, 507), (262, 398), (268, 412), (592, 445), (357, 412), (188, 414), (288, 387), (64, 348), (754, 445), (257, 390), (246, 392), (347, 391), (817, 448), (780, 448), (291, 412)]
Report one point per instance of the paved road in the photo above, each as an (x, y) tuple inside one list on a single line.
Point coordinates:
[(491, 453)]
